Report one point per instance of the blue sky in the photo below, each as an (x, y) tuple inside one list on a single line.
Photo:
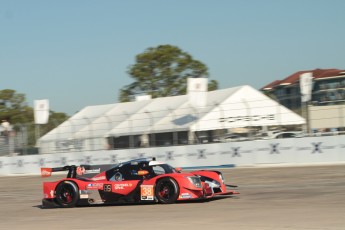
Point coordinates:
[(76, 53)]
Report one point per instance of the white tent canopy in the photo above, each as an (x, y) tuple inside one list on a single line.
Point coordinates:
[(241, 106), (78, 121)]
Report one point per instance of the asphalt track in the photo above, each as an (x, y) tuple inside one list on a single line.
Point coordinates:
[(310, 197)]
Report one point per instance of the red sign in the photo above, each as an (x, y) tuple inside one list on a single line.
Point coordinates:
[(80, 170)]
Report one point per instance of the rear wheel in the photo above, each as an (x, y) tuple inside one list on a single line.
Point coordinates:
[(167, 190), (67, 194)]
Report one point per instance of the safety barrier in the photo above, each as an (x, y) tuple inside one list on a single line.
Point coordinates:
[(292, 151)]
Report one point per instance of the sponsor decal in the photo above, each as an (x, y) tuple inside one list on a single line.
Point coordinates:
[(41, 162), (122, 186), (98, 178), (236, 152), (46, 172), (186, 196), (169, 155), (113, 158), (92, 171), (94, 186), (20, 163), (84, 196), (80, 170), (317, 147), (63, 160), (274, 148), (88, 160), (201, 153), (146, 192), (52, 193)]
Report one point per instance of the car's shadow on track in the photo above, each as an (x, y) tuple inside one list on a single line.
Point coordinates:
[(137, 204), (206, 200)]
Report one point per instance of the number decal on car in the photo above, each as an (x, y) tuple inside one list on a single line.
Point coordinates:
[(107, 188), (146, 192)]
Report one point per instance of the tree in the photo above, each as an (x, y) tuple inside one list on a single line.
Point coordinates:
[(14, 108), (163, 71)]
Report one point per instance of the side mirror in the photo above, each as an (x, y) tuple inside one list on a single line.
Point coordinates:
[(178, 169)]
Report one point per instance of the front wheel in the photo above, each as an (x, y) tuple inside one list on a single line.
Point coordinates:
[(167, 190), (67, 194)]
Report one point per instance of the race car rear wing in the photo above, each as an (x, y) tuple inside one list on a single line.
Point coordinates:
[(73, 170)]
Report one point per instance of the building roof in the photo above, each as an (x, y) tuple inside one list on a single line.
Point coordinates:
[(271, 85), (294, 78), (328, 73)]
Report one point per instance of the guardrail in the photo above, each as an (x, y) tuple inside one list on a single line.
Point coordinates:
[(290, 151)]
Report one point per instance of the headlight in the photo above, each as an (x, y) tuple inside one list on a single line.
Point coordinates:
[(221, 177), (195, 181)]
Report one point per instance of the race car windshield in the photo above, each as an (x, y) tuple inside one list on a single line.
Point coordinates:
[(163, 169)]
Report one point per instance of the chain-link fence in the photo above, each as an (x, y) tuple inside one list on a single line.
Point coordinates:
[(18, 140)]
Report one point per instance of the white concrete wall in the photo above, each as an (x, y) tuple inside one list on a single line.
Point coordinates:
[(293, 151), (329, 116)]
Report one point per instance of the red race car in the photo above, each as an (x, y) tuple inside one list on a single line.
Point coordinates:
[(136, 181)]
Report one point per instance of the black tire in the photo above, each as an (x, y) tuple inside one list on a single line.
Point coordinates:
[(167, 190), (67, 194)]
